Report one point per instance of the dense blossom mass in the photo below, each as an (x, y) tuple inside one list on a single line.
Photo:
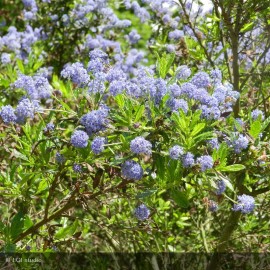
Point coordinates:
[(109, 106)]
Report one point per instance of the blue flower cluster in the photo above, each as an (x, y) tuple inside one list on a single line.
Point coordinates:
[(176, 152), (8, 114), (36, 87), (188, 160), (140, 145), (256, 114), (132, 170), (213, 143), (97, 145), (213, 206), (239, 142), (25, 109), (19, 43), (205, 162), (77, 168), (59, 158), (77, 73), (142, 212), (246, 204), (221, 187), (49, 127), (30, 9), (95, 120), (79, 139)]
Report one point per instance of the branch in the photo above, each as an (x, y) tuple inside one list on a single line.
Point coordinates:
[(225, 236), (70, 204), (222, 39), (258, 62), (196, 35)]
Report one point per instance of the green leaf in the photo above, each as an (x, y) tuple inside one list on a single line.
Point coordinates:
[(265, 124), (68, 231), (146, 193), (228, 183), (27, 222), (255, 129), (17, 225), (202, 137), (247, 27), (20, 65), (10, 248), (164, 64), (120, 101), (65, 106), (19, 155), (180, 198), (42, 186), (232, 168), (180, 122), (2, 227), (222, 152), (197, 129), (139, 113)]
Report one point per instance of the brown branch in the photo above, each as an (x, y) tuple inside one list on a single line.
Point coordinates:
[(222, 39), (258, 62), (196, 34), (70, 204)]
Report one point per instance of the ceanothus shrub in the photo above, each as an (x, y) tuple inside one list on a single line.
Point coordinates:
[(157, 130)]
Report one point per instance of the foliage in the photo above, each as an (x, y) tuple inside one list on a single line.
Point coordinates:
[(121, 126)]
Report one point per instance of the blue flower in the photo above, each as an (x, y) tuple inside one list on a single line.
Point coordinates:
[(213, 206), (140, 145), (5, 58), (25, 109), (132, 170), (206, 162), (246, 204), (239, 142), (201, 79), (175, 90), (176, 34), (216, 75), (142, 212), (8, 114), (97, 145), (59, 158), (49, 127), (176, 152), (183, 72), (133, 37), (175, 104), (221, 187), (77, 73), (77, 168), (95, 121), (256, 114), (188, 160), (79, 139), (213, 143)]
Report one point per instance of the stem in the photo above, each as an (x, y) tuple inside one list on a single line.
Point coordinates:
[(51, 191), (70, 204), (57, 214), (196, 34), (224, 238)]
